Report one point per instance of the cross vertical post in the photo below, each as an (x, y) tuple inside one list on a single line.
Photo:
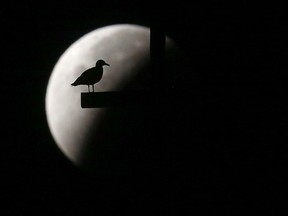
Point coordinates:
[(157, 52)]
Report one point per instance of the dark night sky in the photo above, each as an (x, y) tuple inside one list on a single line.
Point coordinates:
[(224, 154)]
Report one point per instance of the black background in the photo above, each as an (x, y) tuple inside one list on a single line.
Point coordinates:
[(222, 150)]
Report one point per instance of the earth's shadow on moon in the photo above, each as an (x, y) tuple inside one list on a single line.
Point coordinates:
[(144, 140), (150, 152)]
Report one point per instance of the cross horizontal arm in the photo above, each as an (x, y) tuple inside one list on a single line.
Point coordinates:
[(122, 98)]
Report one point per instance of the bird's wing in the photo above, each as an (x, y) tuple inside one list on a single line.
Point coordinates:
[(86, 72), (82, 79)]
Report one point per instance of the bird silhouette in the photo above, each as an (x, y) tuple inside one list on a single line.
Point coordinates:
[(91, 76)]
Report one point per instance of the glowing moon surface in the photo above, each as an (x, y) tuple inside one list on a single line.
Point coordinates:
[(125, 48)]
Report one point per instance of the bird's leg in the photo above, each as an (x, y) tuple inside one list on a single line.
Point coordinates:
[(93, 87), (88, 88)]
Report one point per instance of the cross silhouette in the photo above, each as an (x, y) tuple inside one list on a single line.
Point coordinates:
[(121, 98)]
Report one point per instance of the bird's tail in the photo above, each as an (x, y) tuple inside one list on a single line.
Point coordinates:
[(75, 83)]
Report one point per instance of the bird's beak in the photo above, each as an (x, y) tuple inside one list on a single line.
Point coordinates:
[(107, 64)]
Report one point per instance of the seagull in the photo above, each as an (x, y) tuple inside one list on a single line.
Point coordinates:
[(91, 76)]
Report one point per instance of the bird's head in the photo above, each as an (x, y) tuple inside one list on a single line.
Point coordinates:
[(101, 63)]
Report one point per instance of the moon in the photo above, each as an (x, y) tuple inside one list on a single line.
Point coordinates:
[(126, 48)]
